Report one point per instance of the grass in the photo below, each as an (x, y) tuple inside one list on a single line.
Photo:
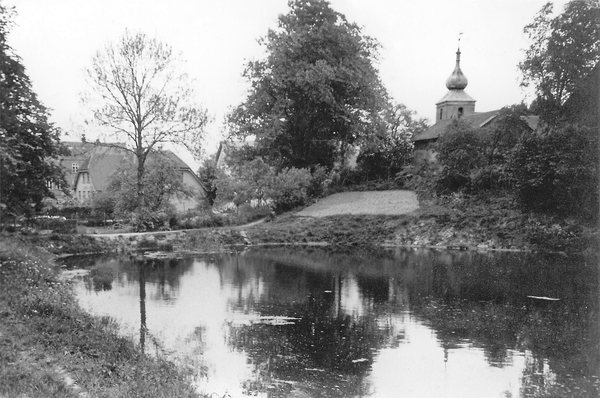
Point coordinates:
[(49, 347)]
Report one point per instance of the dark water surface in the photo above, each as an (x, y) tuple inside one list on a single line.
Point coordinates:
[(402, 323)]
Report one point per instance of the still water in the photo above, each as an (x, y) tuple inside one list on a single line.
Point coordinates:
[(322, 323)]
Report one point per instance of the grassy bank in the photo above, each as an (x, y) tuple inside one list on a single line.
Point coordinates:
[(49, 347), (483, 226)]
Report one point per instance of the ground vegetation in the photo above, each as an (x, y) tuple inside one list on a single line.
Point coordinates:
[(52, 348)]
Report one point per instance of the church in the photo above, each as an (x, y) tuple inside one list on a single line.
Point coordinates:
[(456, 104)]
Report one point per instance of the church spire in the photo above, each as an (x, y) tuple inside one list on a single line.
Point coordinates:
[(457, 80)]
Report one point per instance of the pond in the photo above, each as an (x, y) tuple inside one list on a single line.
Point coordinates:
[(311, 322)]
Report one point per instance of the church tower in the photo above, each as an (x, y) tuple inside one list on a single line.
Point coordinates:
[(456, 103)]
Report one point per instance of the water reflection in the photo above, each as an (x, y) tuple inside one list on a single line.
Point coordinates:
[(381, 323)]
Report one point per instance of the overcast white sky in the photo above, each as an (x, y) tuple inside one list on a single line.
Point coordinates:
[(56, 40)]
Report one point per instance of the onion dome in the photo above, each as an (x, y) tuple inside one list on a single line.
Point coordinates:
[(457, 80)]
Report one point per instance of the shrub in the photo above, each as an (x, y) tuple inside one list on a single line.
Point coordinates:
[(289, 189), (557, 173)]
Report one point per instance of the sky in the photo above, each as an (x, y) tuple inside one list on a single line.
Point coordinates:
[(56, 40)]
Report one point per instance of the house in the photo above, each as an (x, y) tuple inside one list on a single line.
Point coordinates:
[(230, 146), (78, 153), (456, 104), (101, 162)]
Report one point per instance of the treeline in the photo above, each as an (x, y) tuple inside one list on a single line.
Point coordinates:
[(552, 170)]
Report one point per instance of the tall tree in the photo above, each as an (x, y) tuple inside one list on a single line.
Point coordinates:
[(141, 94), (315, 94), (29, 144), (564, 49)]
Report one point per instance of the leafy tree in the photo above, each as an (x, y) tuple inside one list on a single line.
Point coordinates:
[(459, 152), (29, 144), (316, 94), (498, 141), (556, 172), (390, 148), (139, 92), (563, 51), (208, 174), (162, 180)]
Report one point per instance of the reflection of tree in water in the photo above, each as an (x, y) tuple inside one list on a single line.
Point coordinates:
[(485, 303), (330, 349), (467, 298), (163, 274)]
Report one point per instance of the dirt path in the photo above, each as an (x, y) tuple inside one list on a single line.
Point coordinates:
[(368, 202)]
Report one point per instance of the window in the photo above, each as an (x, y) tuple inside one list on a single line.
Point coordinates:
[(74, 167), (441, 112), (460, 112)]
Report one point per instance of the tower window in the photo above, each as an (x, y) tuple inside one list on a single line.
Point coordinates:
[(460, 112), (441, 111)]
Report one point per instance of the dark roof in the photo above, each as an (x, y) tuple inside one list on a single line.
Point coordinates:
[(176, 159), (103, 162), (476, 120)]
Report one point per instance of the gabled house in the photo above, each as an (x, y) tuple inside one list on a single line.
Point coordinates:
[(226, 147), (78, 153), (456, 104), (94, 174)]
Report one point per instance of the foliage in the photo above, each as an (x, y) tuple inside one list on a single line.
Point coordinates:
[(290, 188), (103, 203), (459, 153), (29, 144), (384, 155), (139, 92), (163, 182), (249, 183), (208, 173), (556, 172), (316, 94), (564, 49)]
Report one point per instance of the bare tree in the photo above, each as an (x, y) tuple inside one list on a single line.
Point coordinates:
[(141, 95)]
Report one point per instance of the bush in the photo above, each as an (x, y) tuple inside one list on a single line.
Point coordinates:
[(557, 173), (289, 189)]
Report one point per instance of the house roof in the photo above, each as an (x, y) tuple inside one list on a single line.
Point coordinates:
[(237, 144), (103, 161), (476, 120)]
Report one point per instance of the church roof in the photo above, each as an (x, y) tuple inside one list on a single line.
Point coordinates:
[(456, 95), (457, 80), (438, 129)]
